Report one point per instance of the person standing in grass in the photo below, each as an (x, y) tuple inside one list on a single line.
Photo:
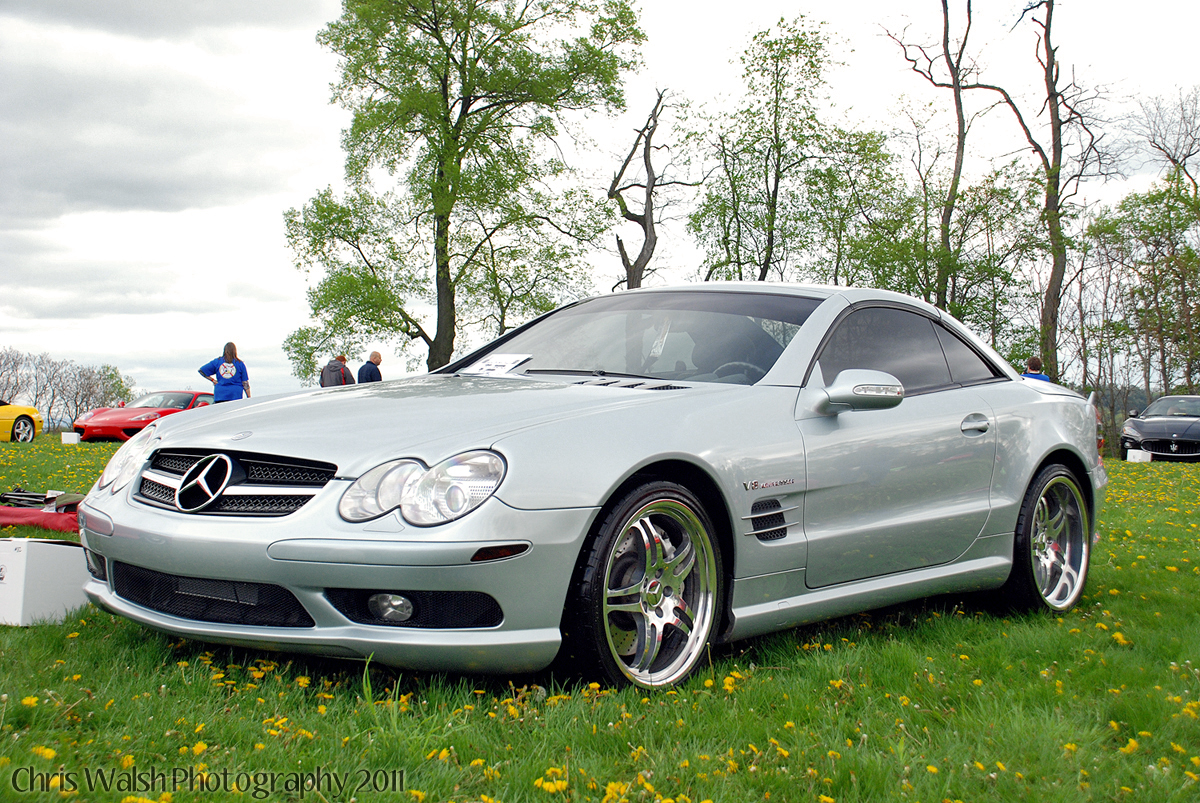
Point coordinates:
[(228, 375)]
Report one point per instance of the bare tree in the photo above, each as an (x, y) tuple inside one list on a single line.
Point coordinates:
[(1171, 130), (12, 377), (1068, 151), (925, 64), (1071, 126), (648, 181)]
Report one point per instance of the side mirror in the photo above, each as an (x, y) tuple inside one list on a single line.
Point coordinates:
[(1133, 413), (858, 389)]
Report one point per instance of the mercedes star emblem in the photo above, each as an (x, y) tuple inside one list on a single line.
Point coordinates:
[(203, 483)]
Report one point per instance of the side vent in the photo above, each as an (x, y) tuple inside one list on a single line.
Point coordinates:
[(766, 520)]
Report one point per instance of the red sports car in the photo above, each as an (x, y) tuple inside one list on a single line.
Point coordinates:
[(122, 423)]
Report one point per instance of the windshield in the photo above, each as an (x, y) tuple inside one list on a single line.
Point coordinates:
[(1174, 405), (172, 401), (694, 336)]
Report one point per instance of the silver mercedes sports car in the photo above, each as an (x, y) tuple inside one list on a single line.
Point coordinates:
[(620, 483)]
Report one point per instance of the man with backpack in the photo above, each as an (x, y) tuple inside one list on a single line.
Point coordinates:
[(336, 372)]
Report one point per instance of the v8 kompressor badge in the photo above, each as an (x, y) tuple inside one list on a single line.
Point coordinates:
[(757, 485)]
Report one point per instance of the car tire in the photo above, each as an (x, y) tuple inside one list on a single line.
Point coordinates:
[(23, 430), (1124, 454), (1052, 547), (647, 600)]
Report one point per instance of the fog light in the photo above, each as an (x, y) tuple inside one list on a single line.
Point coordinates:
[(390, 607)]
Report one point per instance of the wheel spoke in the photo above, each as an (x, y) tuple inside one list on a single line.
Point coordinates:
[(651, 543), (648, 645), (680, 566), (1055, 524)]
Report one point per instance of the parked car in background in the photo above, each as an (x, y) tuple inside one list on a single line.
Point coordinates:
[(122, 423), (618, 484), (1169, 429), (19, 423)]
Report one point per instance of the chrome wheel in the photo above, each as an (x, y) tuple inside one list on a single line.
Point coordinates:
[(650, 590), (1059, 543), (1052, 544), (22, 431)]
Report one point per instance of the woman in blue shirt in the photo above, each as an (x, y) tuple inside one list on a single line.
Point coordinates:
[(228, 375)]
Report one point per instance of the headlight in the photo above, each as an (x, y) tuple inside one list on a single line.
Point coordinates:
[(86, 415), (128, 459), (146, 416), (449, 490)]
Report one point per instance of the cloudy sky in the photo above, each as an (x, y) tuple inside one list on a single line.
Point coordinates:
[(148, 149)]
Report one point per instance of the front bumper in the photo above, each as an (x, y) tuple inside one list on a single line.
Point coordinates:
[(1164, 448), (113, 432), (313, 550)]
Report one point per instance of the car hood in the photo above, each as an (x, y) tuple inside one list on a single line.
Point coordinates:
[(1166, 426), (431, 417), (115, 416)]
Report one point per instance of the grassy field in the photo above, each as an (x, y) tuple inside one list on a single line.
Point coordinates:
[(933, 701)]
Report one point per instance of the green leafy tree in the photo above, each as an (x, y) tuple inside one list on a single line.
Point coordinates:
[(458, 101), (751, 221)]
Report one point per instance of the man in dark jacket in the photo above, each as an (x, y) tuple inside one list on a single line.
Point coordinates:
[(336, 373), (370, 369)]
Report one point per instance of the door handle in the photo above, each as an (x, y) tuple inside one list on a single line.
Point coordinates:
[(975, 424)]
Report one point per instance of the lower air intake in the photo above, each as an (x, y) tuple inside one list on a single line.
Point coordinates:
[(221, 601)]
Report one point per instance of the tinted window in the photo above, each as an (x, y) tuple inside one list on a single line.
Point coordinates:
[(965, 365), (1173, 405), (885, 339), (697, 336)]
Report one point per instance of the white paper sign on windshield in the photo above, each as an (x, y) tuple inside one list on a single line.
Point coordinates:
[(495, 364)]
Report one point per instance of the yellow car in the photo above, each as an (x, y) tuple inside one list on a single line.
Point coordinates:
[(19, 423)]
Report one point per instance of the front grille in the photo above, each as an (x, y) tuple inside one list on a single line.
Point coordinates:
[(433, 609), (157, 491), (203, 600), (258, 504), (174, 463), (1163, 447), (260, 469), (260, 485), (766, 520)]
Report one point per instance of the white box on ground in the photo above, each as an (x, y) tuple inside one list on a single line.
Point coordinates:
[(1137, 456), (70, 437), (40, 580)]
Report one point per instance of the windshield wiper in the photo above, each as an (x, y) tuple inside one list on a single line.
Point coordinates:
[(585, 372)]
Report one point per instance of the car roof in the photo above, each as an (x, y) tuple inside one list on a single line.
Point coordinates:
[(853, 295)]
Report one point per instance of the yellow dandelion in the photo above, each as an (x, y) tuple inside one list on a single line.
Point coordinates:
[(29, 701), (127, 761), (1130, 748), (198, 748)]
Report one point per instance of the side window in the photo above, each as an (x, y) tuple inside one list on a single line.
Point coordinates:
[(887, 339), (966, 367)]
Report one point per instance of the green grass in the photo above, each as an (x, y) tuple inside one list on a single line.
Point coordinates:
[(47, 464), (931, 701)]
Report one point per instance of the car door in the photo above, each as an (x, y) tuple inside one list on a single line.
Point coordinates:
[(902, 488)]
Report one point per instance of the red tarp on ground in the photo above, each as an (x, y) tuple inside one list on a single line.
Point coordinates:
[(62, 522)]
